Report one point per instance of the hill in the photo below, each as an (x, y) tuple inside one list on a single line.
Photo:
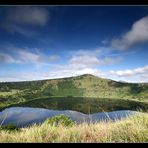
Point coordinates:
[(74, 93)]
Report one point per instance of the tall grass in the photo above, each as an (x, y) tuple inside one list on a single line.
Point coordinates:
[(132, 129)]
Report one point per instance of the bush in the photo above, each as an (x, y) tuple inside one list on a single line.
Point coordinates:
[(60, 120), (9, 127)]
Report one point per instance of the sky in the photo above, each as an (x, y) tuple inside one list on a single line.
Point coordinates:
[(46, 42)]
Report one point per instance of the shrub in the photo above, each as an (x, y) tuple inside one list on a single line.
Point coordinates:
[(9, 127), (60, 120)]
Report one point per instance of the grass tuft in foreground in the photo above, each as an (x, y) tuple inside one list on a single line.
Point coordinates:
[(132, 129)]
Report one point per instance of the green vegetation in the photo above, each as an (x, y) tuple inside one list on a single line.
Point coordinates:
[(9, 127), (85, 93), (132, 129), (85, 105), (59, 120)]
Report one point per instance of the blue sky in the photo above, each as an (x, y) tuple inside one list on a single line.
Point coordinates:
[(45, 42)]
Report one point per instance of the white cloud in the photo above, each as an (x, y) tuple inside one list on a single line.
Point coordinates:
[(61, 73), (5, 58), (67, 70), (28, 15), (139, 74), (50, 74), (92, 58), (28, 57), (132, 75), (80, 62), (85, 60), (36, 58), (24, 56), (130, 72), (105, 41), (88, 60), (21, 30), (138, 34), (92, 71)]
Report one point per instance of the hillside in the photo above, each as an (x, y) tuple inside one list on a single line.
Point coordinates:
[(80, 88)]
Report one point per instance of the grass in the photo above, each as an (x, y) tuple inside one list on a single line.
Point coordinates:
[(132, 129)]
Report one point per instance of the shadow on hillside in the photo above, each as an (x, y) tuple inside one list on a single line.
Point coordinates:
[(133, 88), (117, 84)]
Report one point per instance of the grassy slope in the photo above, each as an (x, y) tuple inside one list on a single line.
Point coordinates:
[(39, 93), (132, 129)]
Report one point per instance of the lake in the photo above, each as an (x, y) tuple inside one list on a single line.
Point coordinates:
[(25, 116)]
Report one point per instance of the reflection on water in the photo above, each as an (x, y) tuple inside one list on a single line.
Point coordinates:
[(24, 116)]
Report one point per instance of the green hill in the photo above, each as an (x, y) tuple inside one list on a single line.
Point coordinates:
[(76, 93)]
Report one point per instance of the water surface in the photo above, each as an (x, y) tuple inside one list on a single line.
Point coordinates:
[(24, 116)]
